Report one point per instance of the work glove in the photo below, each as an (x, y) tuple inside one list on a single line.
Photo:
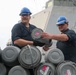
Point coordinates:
[(49, 44), (38, 43)]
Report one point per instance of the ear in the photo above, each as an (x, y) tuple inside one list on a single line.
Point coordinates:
[(30, 17), (67, 24)]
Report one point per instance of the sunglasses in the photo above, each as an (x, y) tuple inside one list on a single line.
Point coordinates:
[(25, 14), (60, 24)]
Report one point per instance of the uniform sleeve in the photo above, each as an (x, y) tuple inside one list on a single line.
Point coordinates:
[(71, 34), (16, 32)]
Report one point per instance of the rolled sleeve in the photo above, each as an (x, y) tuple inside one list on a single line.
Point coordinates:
[(71, 34), (16, 32)]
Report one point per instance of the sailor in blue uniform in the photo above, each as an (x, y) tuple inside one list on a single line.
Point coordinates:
[(66, 41)]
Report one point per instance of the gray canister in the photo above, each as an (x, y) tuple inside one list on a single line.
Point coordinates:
[(18, 70), (29, 57), (54, 56), (0, 55), (3, 70), (45, 69), (10, 55), (36, 35), (66, 68)]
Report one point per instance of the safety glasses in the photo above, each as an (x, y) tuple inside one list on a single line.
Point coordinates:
[(25, 14)]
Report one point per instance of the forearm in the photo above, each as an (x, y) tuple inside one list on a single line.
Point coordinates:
[(22, 42), (61, 37)]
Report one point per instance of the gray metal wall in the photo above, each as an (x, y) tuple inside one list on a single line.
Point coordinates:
[(69, 12), (47, 18)]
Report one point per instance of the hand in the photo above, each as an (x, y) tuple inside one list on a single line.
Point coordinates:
[(45, 48), (49, 44), (46, 35), (37, 43)]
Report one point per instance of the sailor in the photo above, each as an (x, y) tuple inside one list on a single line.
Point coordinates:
[(66, 41), (21, 32)]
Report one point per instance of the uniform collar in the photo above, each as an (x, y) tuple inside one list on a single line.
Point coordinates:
[(64, 30)]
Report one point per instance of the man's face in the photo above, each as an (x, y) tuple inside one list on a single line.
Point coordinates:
[(25, 18), (63, 27)]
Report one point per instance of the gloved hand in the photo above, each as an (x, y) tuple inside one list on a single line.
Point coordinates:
[(45, 48), (38, 43), (49, 44)]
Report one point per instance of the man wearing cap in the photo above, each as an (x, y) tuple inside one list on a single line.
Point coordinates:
[(66, 41), (21, 32)]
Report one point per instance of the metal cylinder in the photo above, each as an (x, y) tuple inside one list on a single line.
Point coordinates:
[(10, 55), (36, 35), (0, 55), (66, 68), (29, 57), (54, 56), (45, 69), (18, 70), (3, 70)]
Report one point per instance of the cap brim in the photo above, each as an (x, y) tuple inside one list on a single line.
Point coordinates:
[(60, 23), (25, 14)]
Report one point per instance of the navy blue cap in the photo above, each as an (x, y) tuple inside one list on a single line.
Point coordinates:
[(61, 20), (25, 11)]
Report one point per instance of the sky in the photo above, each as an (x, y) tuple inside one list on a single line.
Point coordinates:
[(9, 15)]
